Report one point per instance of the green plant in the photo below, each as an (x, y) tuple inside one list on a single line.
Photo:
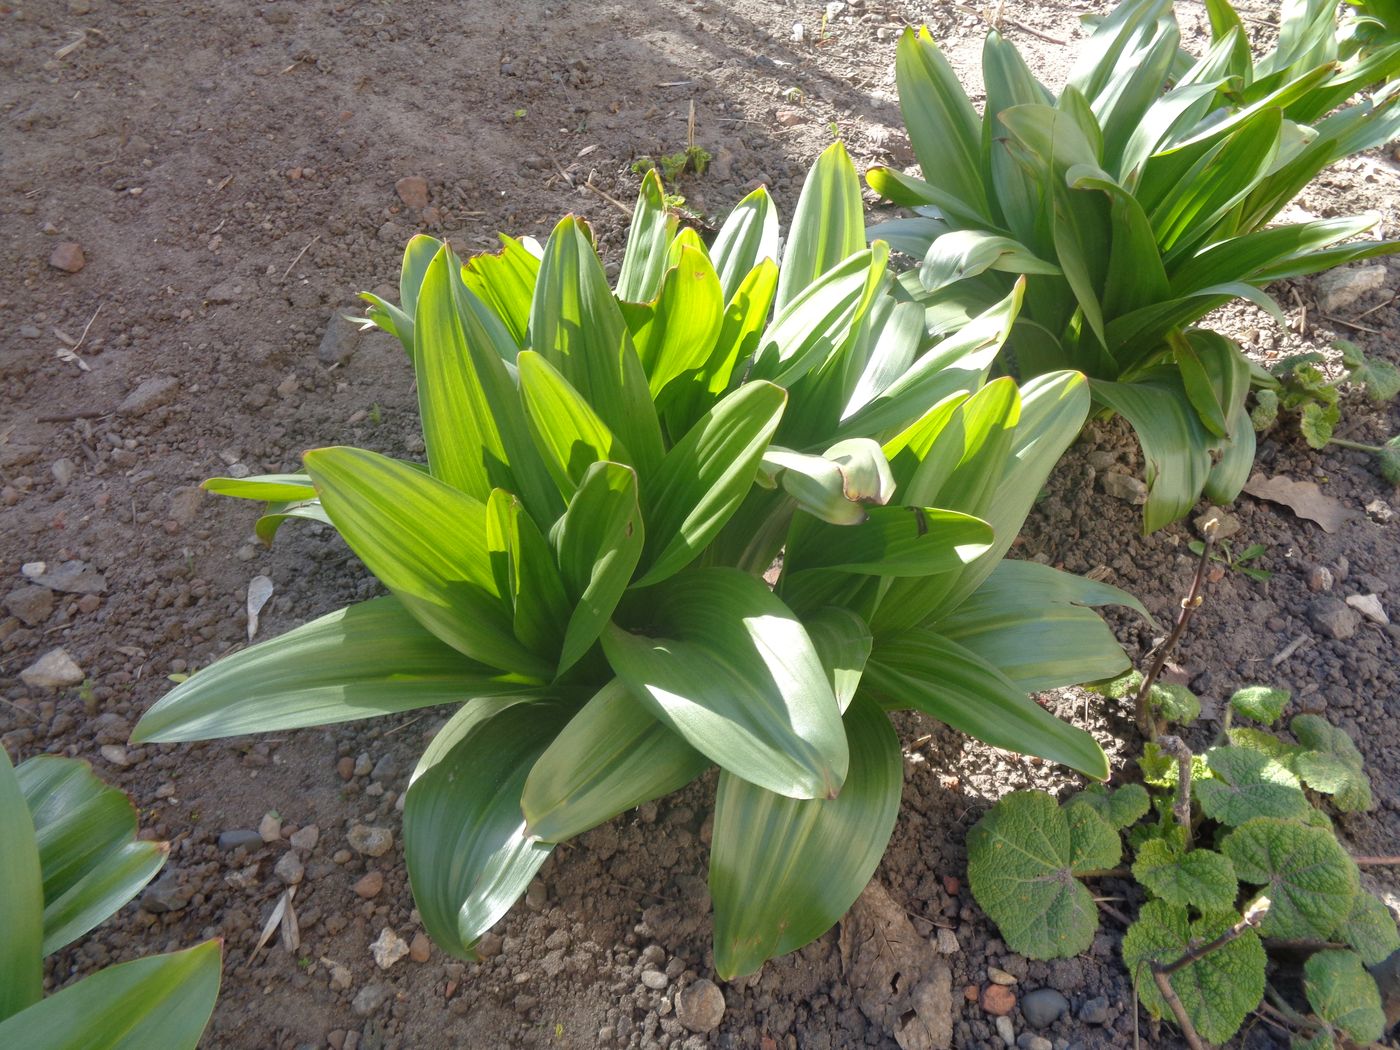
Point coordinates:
[(1373, 26), (1268, 871), (671, 166), (1137, 201), (70, 860), (610, 475), (1236, 562)]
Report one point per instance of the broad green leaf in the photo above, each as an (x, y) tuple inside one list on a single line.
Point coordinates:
[(726, 665), (92, 861), (1218, 990), (1173, 443), (1307, 876), (891, 337), (1370, 929), (1343, 994), (570, 436), (828, 226), (426, 541), (526, 573), (1122, 807), (21, 900), (1036, 625), (677, 333), (1135, 277), (783, 871), (1249, 784), (598, 543), (705, 477), (1266, 744), (160, 1001), (368, 659), (468, 852), (967, 253), (1200, 878), (274, 488), (838, 486), (505, 281), (922, 670), (1022, 859), (644, 258), (576, 326), (892, 541), (943, 127), (843, 642), (1174, 702), (748, 235), (1260, 702), (1009, 82), (417, 257), (385, 315), (611, 757), (1331, 763), (265, 528)]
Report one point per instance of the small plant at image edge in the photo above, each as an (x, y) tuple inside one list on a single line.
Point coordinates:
[(1237, 562)]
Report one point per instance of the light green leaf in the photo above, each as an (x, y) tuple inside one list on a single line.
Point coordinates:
[(274, 488), (1309, 879), (967, 253), (1022, 857), (265, 528), (1370, 929), (836, 486), (676, 334), (505, 282), (1174, 702), (1249, 784), (1266, 744), (598, 543), (1343, 994), (922, 670), (705, 477), (468, 853), (21, 900), (1200, 878), (1332, 764), (570, 436), (782, 870), (161, 1001), (527, 575), (426, 541), (611, 757), (644, 258), (892, 541), (368, 659), (1218, 990), (1260, 702), (842, 641), (1121, 808), (417, 257), (727, 666), (92, 861), (748, 235), (827, 227)]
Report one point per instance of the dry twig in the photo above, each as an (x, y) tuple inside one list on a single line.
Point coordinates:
[(1146, 723)]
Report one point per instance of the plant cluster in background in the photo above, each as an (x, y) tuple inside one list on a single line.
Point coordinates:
[(1138, 200)]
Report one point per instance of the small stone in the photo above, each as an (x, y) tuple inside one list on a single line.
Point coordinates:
[(420, 948), (54, 670), (33, 605), (952, 885), (490, 945), (1095, 1010), (1125, 487), (998, 1000), (240, 838), (1031, 1041), (290, 868), (369, 885), (305, 838), (72, 577), (1338, 289), (1319, 579), (116, 755), (370, 998), (971, 993), (345, 767), (363, 765), (1369, 606), (799, 33), (413, 191), (165, 894), (948, 941), (999, 976), (340, 341), (1006, 1030), (1226, 524), (655, 980), (63, 470), (372, 842), (834, 10), (790, 118), (150, 394), (1043, 1007), (184, 504), (700, 1006), (1101, 459), (68, 256), (385, 768), (1378, 510), (270, 827), (340, 977), (229, 291), (1333, 618), (388, 949)]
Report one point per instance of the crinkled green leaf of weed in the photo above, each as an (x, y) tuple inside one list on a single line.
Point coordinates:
[(1332, 764), (1343, 994), (1121, 808), (1202, 878), (1370, 929), (1246, 784), (1309, 880), (1260, 702)]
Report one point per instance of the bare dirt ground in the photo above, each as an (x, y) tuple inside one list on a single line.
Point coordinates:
[(229, 170)]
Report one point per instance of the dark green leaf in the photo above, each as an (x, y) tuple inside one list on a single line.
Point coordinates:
[(1309, 880), (21, 901)]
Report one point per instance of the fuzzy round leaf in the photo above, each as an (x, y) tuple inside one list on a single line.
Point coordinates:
[(1331, 763), (1120, 808), (1267, 745), (1344, 994), (1201, 878), (1218, 990), (1370, 929), (1310, 880), (1247, 784), (1260, 702)]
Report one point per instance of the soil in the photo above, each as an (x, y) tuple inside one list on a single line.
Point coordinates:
[(229, 171)]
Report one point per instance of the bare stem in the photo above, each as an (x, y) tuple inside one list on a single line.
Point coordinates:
[(1252, 917), (1181, 808), (1183, 1020), (1146, 722), (1376, 861)]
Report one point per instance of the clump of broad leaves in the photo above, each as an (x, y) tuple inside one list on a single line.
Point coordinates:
[(69, 860), (1258, 844), (1141, 197), (721, 514)]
